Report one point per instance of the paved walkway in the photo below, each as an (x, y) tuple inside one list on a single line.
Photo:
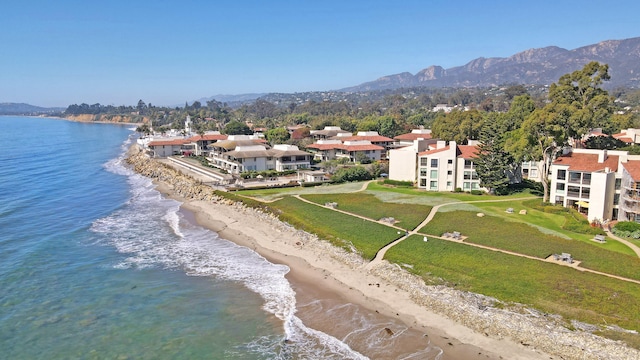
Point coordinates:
[(432, 213), (626, 242)]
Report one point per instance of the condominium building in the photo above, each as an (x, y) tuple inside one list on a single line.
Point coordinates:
[(447, 167), (602, 184)]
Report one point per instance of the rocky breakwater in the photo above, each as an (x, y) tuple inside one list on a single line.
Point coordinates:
[(179, 183)]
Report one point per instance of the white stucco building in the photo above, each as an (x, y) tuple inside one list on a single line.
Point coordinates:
[(447, 167), (603, 185), (403, 162)]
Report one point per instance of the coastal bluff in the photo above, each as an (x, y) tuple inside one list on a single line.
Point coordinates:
[(108, 118), (504, 330)]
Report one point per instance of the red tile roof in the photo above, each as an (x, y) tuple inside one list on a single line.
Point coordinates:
[(429, 152), (209, 137), (172, 142), (633, 168), (372, 138), (412, 136), (467, 151), (362, 147), (323, 146), (462, 151), (587, 162)]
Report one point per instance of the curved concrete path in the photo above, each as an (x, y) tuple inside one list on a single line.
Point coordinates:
[(432, 213), (631, 245), (380, 255)]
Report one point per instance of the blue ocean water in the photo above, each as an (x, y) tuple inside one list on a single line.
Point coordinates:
[(95, 264)]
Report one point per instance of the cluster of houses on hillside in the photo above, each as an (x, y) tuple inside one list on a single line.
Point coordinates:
[(603, 185)]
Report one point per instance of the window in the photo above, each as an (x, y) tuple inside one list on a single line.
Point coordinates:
[(466, 186), (475, 186), (449, 172), (450, 161), (470, 175), (560, 187), (618, 184), (559, 200), (586, 192), (586, 179), (423, 182), (574, 177), (434, 163), (434, 174), (562, 175), (423, 161), (468, 164), (423, 172), (449, 184), (573, 191), (533, 173), (433, 185), (616, 199)]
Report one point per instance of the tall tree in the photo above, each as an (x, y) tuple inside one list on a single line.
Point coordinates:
[(580, 94), (493, 163), (576, 104), (235, 127), (277, 136), (459, 126)]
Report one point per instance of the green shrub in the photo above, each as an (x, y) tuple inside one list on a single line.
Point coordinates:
[(398, 183), (477, 192), (356, 173), (630, 226)]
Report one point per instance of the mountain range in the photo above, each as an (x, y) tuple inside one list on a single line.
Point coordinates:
[(532, 67), (26, 109)]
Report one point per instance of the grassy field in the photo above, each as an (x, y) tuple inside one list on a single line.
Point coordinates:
[(524, 239), (342, 230), (548, 287), (408, 216)]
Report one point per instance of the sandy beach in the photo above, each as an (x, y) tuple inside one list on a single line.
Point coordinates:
[(341, 277)]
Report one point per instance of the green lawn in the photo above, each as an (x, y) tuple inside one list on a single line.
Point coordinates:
[(519, 237), (342, 230), (551, 288), (408, 216)]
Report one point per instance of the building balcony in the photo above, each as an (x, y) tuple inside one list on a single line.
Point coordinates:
[(574, 194)]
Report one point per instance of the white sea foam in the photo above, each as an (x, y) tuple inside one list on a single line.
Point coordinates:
[(150, 231)]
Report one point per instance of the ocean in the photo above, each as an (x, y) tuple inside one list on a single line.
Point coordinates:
[(96, 264)]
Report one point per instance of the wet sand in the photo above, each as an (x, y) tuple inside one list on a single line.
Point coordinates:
[(335, 298)]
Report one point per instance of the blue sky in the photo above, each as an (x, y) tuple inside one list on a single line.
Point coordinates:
[(56, 53)]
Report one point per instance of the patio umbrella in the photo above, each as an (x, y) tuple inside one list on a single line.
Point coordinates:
[(583, 204)]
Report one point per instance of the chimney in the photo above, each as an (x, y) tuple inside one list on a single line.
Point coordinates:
[(602, 156), (441, 144)]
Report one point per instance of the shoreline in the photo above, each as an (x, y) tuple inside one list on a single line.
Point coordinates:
[(337, 280), (464, 325)]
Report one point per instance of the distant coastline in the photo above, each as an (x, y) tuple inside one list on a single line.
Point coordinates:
[(104, 119)]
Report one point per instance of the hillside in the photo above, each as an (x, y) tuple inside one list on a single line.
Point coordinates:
[(534, 66), (26, 109)]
